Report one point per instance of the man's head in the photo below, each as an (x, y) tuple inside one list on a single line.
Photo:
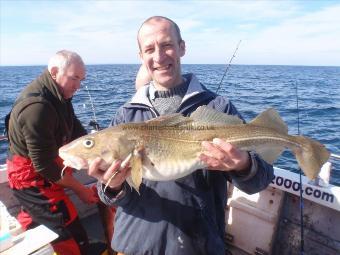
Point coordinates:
[(67, 69), (161, 48)]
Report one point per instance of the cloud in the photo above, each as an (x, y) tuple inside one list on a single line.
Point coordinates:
[(272, 32), (309, 39)]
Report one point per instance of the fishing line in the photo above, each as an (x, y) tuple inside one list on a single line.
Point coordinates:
[(111, 178), (62, 171), (227, 68), (122, 165), (93, 122), (300, 177)]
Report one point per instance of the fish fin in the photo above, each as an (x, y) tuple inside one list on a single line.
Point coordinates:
[(129, 181), (136, 169), (310, 156), (175, 119), (270, 119), (269, 153), (207, 115), (171, 166)]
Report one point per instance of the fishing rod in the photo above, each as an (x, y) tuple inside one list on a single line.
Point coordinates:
[(228, 66), (302, 239), (93, 123)]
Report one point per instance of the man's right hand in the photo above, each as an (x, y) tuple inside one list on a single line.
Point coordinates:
[(121, 173), (87, 195)]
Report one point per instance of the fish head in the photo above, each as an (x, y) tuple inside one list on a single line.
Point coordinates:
[(109, 144)]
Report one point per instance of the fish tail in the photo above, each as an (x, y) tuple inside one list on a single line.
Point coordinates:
[(311, 155)]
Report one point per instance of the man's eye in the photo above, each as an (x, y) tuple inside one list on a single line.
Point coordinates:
[(150, 50), (167, 45)]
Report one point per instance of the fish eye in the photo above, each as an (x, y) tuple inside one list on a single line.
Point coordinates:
[(88, 143)]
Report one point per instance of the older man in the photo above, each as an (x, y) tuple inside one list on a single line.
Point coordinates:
[(41, 121), (184, 216)]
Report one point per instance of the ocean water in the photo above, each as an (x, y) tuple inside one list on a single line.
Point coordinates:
[(251, 88)]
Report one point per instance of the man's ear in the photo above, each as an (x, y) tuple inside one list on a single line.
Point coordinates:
[(141, 56), (54, 71), (182, 48)]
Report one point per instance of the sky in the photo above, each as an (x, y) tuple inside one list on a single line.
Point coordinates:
[(281, 32)]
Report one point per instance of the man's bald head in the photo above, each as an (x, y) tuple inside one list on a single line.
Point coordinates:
[(155, 19)]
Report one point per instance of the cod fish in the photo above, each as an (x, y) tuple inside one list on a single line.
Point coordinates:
[(167, 147)]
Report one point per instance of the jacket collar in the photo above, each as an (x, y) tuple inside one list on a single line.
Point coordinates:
[(194, 88), (51, 85)]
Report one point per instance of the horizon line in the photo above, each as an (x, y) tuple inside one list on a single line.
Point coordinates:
[(97, 64)]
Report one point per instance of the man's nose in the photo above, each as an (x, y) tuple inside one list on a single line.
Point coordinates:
[(159, 55)]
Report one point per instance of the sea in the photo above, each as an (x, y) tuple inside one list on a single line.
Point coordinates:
[(306, 97)]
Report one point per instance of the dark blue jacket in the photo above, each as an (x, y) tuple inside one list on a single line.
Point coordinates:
[(184, 216)]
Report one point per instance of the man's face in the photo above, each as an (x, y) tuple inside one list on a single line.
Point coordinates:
[(161, 51), (69, 80)]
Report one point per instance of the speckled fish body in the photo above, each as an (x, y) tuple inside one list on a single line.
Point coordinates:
[(167, 148)]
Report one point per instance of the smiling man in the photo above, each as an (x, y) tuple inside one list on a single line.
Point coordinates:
[(161, 48), (183, 216), (42, 120)]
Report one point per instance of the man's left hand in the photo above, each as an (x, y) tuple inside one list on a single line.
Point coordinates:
[(220, 155)]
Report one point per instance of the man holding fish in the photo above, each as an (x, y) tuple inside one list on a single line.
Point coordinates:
[(183, 213), (166, 159)]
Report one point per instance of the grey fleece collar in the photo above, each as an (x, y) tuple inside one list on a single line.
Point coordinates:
[(142, 94)]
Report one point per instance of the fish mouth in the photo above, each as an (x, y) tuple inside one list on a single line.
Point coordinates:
[(74, 162)]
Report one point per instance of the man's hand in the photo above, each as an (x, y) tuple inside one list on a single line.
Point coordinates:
[(120, 173), (220, 155), (87, 195)]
